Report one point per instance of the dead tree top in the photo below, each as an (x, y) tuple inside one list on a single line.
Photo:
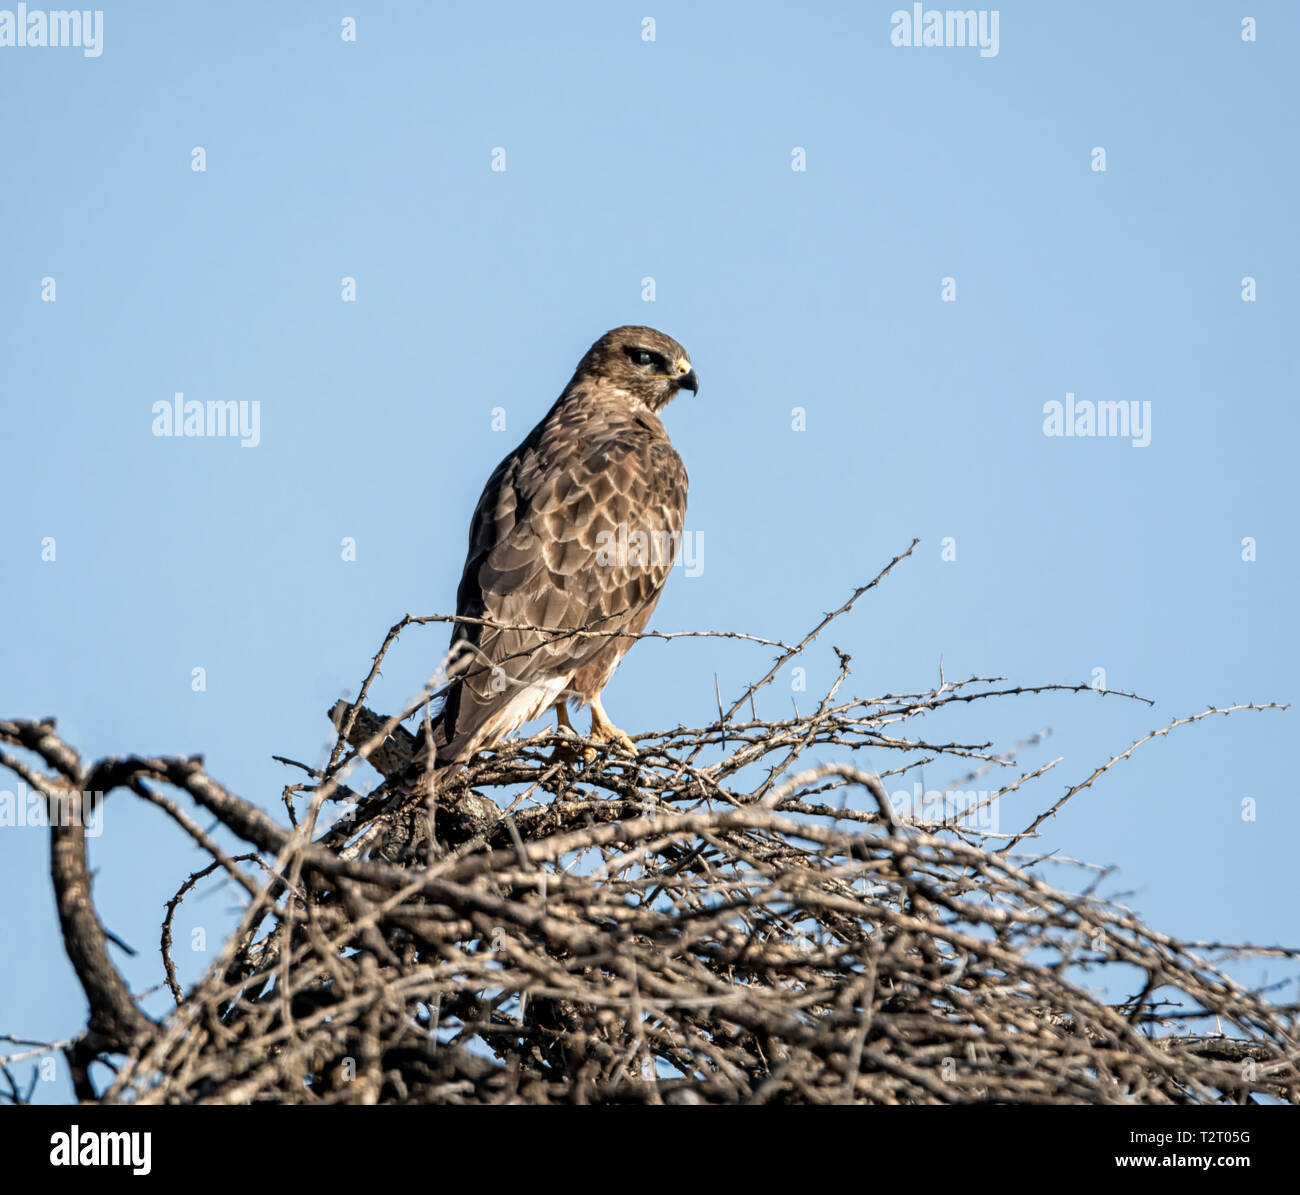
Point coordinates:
[(742, 914)]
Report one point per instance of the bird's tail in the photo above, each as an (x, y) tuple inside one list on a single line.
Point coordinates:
[(400, 753)]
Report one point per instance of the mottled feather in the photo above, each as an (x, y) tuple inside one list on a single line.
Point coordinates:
[(575, 530)]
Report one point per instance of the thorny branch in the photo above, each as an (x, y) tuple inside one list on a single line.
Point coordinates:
[(769, 926)]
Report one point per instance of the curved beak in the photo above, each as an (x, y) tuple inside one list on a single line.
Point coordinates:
[(686, 379)]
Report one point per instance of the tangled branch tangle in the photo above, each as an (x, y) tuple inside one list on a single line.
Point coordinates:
[(749, 929)]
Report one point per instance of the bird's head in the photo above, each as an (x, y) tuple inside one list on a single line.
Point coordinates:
[(642, 362)]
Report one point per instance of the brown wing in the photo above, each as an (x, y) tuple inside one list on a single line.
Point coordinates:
[(576, 529)]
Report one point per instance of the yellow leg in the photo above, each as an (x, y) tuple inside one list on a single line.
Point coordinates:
[(563, 753), (604, 731)]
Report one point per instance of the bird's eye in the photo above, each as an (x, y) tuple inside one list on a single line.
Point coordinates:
[(641, 356)]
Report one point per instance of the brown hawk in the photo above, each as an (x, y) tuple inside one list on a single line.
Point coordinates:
[(576, 530)]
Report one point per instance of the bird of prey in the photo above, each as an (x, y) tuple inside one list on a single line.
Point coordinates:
[(576, 531)]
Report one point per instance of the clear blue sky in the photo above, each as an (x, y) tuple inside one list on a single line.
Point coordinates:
[(820, 289)]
